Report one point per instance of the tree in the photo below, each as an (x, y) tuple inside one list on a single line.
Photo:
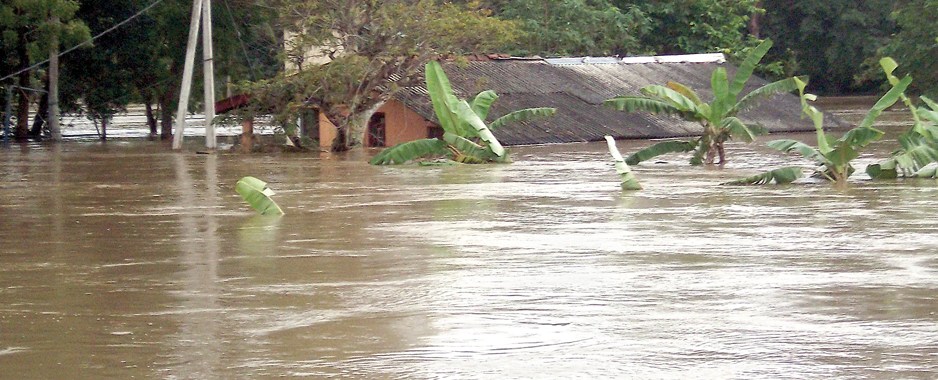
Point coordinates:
[(376, 47), (916, 44), (696, 26), (28, 27), (829, 40), (573, 27), (834, 157), (718, 118)]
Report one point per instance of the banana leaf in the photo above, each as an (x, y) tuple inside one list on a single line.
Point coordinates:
[(769, 90), (465, 113), (256, 193), (410, 150), (522, 115), (722, 98), (686, 91), (748, 66), (740, 130), (886, 101), (629, 182), (442, 97), (643, 104), (658, 149), (778, 176), (930, 171), (789, 146), (674, 98), (482, 103)]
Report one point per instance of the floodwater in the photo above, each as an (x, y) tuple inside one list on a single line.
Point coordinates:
[(125, 260)]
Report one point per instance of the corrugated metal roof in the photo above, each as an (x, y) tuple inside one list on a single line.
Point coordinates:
[(578, 91)]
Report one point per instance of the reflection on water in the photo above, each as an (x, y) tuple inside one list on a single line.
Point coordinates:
[(127, 261)]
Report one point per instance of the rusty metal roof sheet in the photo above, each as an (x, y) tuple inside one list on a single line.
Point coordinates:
[(578, 89)]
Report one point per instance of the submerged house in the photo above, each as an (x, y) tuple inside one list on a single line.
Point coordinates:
[(577, 87)]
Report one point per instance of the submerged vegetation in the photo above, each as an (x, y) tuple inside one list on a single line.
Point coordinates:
[(718, 118), (833, 157)]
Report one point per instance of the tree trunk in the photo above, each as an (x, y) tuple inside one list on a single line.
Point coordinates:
[(40, 119), (22, 111), (166, 118), (104, 129), (53, 94), (151, 117), (247, 135), (755, 22)]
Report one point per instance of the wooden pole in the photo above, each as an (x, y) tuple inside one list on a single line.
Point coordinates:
[(53, 116), (208, 67), (187, 74)]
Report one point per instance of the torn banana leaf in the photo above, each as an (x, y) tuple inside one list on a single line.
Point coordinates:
[(256, 193)]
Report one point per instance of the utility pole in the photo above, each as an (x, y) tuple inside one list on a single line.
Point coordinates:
[(54, 83), (201, 11), (208, 67)]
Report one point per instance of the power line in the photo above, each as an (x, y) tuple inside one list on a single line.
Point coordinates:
[(92, 39)]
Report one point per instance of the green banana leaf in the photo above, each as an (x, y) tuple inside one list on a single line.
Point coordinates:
[(886, 101), (660, 148), (788, 146), (256, 193), (778, 176), (930, 171), (767, 91), (482, 103), (748, 66), (722, 98), (522, 115), (740, 130), (674, 98), (643, 104), (629, 182), (442, 97), (684, 90), (465, 113), (410, 150)]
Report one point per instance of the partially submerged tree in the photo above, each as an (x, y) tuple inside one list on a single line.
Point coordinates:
[(833, 157), (718, 118), (375, 48), (466, 137), (918, 146)]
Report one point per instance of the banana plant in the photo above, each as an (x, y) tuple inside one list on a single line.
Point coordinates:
[(256, 193), (466, 136), (779, 176), (629, 182), (833, 157), (718, 118), (918, 145)]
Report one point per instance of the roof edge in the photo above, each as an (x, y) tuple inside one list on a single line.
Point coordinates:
[(682, 58)]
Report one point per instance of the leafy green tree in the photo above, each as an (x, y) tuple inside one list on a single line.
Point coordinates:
[(916, 44), (466, 136), (696, 26), (375, 48), (573, 27), (718, 118), (828, 40), (28, 28)]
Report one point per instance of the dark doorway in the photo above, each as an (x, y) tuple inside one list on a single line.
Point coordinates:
[(376, 130)]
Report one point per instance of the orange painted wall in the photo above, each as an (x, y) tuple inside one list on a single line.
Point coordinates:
[(401, 125)]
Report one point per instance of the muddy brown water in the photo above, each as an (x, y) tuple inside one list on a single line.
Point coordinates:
[(124, 260)]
